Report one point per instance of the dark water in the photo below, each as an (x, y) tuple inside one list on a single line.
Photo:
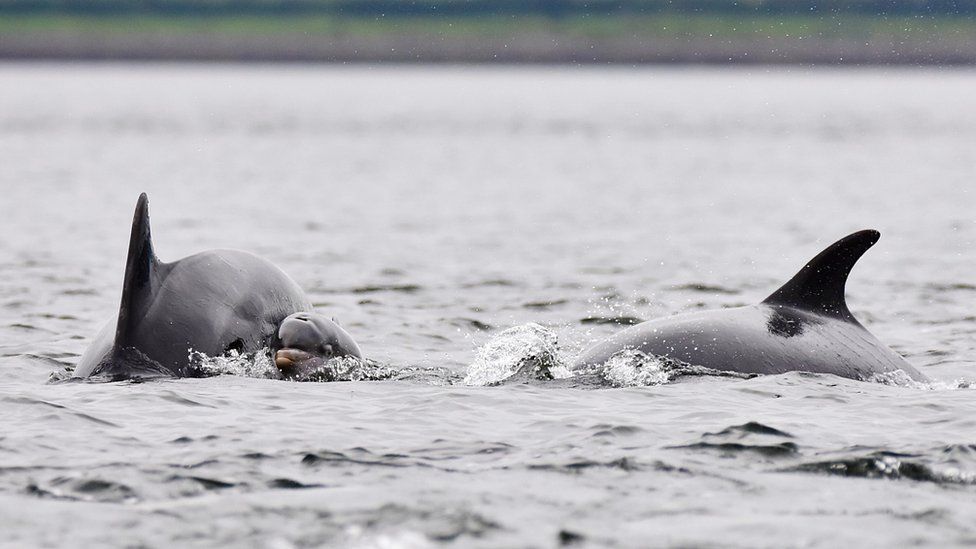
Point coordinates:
[(431, 210)]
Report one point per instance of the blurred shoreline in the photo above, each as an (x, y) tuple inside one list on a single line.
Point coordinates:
[(660, 39)]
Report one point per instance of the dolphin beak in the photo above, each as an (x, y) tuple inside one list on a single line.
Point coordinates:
[(289, 358)]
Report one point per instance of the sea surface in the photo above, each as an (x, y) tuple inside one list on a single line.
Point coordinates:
[(457, 221)]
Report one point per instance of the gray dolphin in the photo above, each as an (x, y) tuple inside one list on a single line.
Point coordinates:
[(803, 326), (212, 302)]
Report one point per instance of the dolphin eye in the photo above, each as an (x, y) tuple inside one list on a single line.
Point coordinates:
[(327, 350)]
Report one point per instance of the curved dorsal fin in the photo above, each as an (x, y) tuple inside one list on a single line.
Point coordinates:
[(142, 274), (819, 286)]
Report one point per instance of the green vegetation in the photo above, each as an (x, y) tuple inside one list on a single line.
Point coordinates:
[(597, 27), (435, 8), (907, 32)]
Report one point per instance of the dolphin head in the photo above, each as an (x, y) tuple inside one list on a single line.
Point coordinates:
[(307, 340)]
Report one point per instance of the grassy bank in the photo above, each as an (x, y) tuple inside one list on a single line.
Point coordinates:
[(597, 26), (660, 37)]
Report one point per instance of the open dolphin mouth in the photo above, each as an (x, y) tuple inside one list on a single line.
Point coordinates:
[(286, 359)]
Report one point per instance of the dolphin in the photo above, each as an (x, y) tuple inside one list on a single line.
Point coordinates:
[(803, 326), (214, 302)]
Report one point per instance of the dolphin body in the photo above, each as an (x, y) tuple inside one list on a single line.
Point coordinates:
[(803, 326), (212, 302)]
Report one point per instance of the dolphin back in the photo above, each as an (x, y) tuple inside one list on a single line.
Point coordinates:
[(211, 303), (805, 325)]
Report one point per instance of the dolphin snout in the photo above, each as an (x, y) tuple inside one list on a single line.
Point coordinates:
[(289, 358)]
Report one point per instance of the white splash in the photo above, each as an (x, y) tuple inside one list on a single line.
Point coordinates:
[(899, 378), (260, 365), (505, 354), (257, 364), (405, 539), (345, 368), (632, 368)]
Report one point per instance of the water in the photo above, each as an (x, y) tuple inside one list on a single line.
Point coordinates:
[(430, 210)]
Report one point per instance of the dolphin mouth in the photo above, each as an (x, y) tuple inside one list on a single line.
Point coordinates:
[(286, 359)]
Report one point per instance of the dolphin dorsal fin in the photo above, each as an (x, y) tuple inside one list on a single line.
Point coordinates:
[(819, 286), (143, 273)]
